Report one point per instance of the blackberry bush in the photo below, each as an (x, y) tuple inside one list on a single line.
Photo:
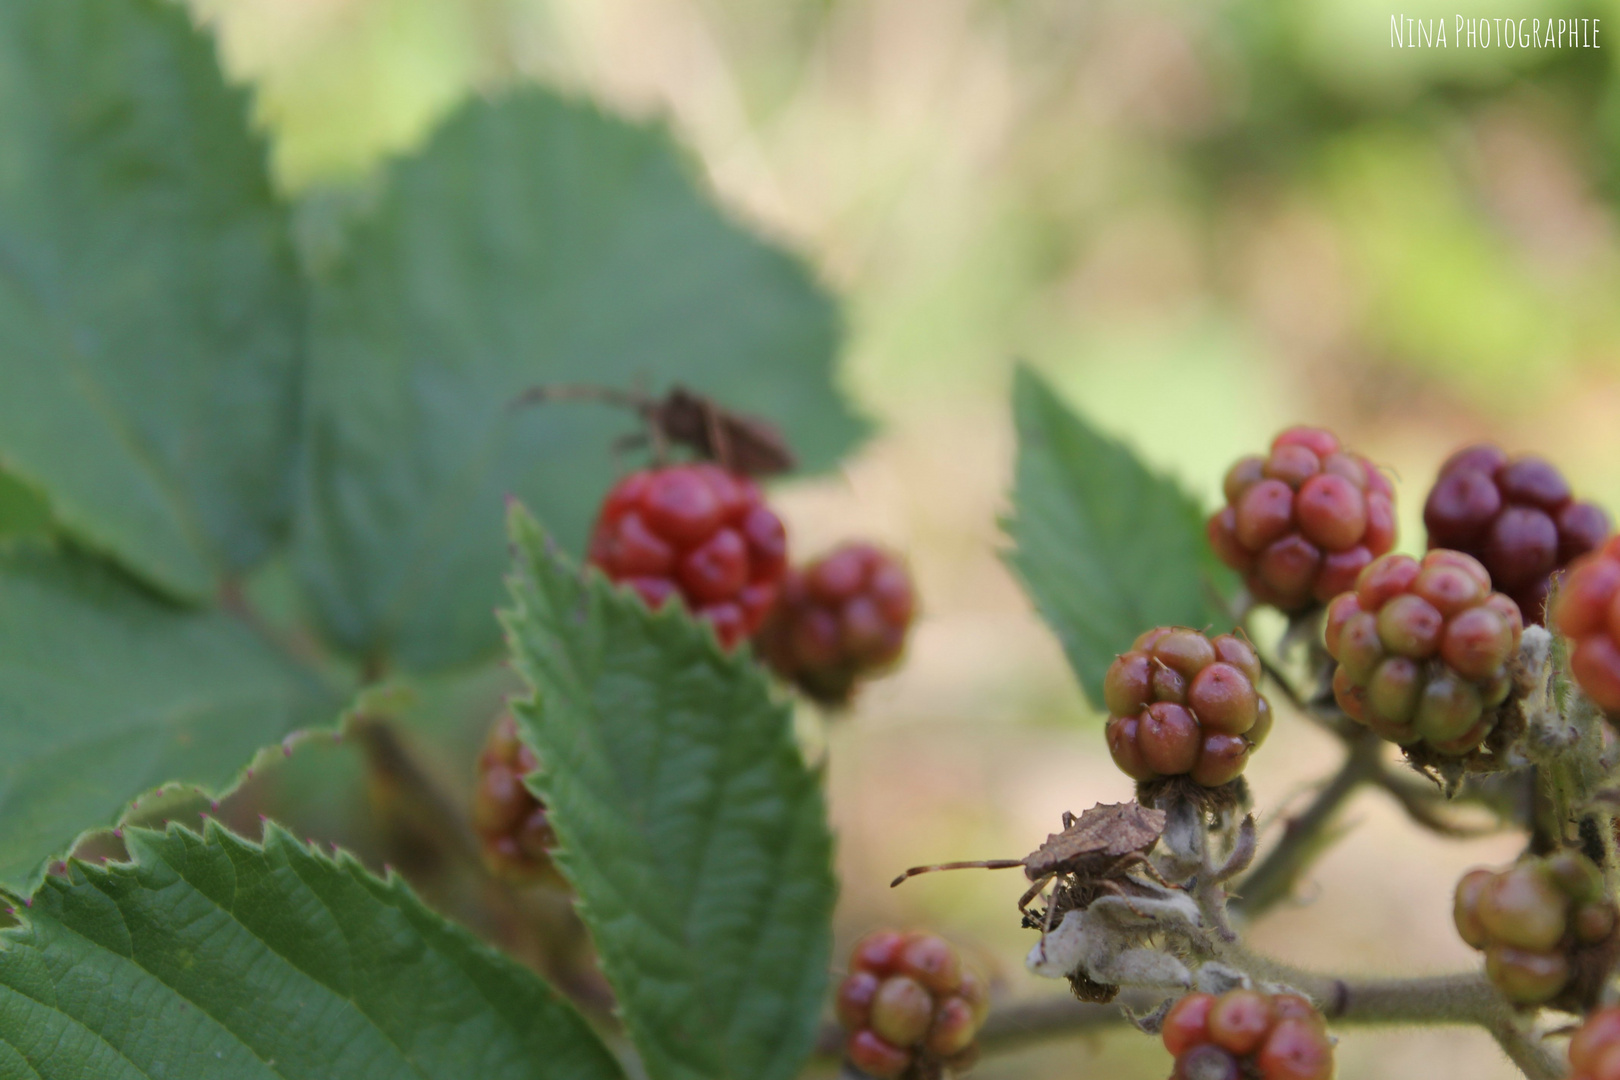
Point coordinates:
[(1423, 650), (1247, 1035), (1182, 704), (840, 619), (197, 422), (1539, 924), (1517, 516), (910, 1007), (1300, 523), (697, 533)]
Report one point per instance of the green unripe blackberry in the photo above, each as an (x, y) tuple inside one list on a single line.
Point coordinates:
[(1534, 921)]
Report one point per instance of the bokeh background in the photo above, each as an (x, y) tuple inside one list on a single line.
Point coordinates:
[(1202, 220)]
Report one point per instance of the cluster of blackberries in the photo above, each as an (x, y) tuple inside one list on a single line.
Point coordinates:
[(1302, 522), (1423, 650), (1530, 919), (840, 619), (1516, 516), (910, 1007), (705, 536), (1247, 1035), (1182, 704), (697, 532)]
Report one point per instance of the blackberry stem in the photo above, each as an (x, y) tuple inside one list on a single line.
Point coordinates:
[(1273, 879)]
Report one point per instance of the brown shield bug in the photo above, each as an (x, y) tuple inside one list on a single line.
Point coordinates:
[(1089, 857), (743, 444)]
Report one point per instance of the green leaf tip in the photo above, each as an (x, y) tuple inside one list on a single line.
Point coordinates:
[(1104, 546), (688, 822)]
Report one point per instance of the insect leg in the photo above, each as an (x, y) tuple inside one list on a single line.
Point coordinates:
[(1051, 912), (1034, 891), (1136, 858)]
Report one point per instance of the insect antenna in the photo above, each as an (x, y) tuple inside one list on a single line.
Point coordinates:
[(984, 864)]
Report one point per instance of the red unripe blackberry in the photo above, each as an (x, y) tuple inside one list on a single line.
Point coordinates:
[(1182, 704), (910, 1007), (1301, 523), (1532, 920), (1423, 650), (1247, 1034), (697, 532), (1588, 613), (840, 619), (1516, 516), (514, 834), (1594, 1052)]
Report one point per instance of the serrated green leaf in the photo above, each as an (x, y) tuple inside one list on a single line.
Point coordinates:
[(107, 692), (212, 958), (151, 319), (534, 240), (690, 826), (1105, 547)]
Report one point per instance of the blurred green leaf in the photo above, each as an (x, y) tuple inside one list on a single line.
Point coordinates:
[(534, 240), (24, 511), (150, 314), (212, 958), (107, 692), (1105, 548), (1445, 290), (689, 824)]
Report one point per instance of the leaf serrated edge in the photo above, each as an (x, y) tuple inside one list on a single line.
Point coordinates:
[(1031, 388), (531, 543)]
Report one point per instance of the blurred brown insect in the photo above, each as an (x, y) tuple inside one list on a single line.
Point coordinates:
[(741, 443), (1089, 857)]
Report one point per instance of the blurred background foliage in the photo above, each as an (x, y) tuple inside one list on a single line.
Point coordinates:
[(1201, 220)]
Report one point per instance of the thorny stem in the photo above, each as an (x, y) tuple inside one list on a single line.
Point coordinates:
[(1419, 804)]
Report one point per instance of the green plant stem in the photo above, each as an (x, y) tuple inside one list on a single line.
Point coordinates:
[(1421, 801), (1274, 877)]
